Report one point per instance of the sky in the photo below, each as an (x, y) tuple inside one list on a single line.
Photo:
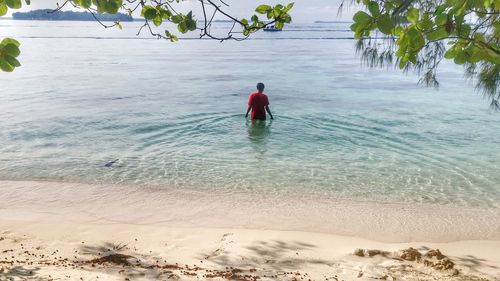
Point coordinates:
[(304, 10)]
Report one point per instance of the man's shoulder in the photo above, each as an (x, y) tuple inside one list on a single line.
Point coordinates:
[(258, 94)]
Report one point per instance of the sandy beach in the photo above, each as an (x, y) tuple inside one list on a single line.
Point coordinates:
[(60, 231)]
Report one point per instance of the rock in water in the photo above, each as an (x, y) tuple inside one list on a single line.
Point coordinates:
[(109, 164)]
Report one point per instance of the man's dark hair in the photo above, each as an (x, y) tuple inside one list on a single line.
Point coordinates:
[(260, 86)]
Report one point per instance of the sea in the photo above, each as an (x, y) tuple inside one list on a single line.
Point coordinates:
[(107, 106)]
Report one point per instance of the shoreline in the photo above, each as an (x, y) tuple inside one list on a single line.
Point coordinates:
[(69, 231), (49, 202)]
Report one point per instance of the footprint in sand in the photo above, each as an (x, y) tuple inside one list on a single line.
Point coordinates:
[(223, 243)]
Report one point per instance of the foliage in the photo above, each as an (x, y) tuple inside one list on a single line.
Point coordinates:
[(418, 34), (9, 50), (155, 13)]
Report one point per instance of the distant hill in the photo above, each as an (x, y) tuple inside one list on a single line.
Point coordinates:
[(48, 14)]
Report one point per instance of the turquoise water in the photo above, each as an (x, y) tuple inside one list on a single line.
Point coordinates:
[(173, 115)]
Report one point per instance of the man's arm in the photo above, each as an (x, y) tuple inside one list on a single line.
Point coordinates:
[(248, 110), (269, 111)]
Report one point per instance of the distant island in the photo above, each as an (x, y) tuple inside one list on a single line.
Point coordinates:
[(47, 14)]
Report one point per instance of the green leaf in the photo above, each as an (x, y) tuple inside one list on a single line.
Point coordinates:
[(437, 34), (362, 18), (402, 63), (172, 37), (3, 9), (182, 27), (402, 6), (413, 58), (13, 4), (5, 66), (86, 3), (6, 41), (460, 58), (113, 6), (413, 15), (440, 9), (157, 20), (492, 56), (286, 18), (288, 7), (374, 8), (461, 8), (441, 19), (385, 24), (148, 12), (176, 19), (263, 9), (451, 53), (270, 14), (425, 23), (83, 3), (12, 61), (277, 10), (355, 26), (477, 55), (190, 24), (165, 14), (28, 2), (11, 50), (479, 36), (417, 40), (464, 30), (279, 25), (398, 30)]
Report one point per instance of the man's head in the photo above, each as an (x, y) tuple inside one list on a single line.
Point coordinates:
[(260, 87)]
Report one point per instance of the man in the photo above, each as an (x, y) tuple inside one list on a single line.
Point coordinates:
[(259, 104)]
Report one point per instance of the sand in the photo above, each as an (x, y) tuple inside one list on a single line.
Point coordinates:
[(56, 231)]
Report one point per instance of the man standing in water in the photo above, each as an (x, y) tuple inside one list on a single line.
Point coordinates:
[(259, 104)]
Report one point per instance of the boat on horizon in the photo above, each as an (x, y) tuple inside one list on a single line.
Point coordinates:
[(271, 28)]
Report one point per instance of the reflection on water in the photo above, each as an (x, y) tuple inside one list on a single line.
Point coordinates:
[(258, 133)]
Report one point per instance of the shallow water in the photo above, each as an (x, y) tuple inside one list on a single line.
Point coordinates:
[(173, 115)]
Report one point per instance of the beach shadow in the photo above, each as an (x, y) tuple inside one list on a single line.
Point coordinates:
[(269, 258), (19, 273), (106, 247), (473, 262), (123, 260)]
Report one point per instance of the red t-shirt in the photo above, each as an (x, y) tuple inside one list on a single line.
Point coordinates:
[(258, 102)]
